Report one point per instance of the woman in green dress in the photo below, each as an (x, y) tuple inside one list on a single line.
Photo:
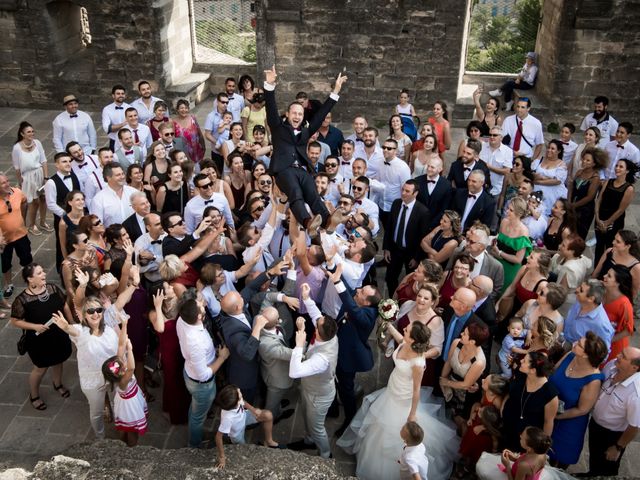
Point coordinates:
[(512, 245)]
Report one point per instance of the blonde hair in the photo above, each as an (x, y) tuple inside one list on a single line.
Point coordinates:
[(171, 268), (519, 206)]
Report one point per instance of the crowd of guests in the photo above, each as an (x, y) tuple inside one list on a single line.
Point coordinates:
[(242, 271)]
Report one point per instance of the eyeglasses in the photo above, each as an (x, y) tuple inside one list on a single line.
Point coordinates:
[(345, 202), (258, 209), (91, 311), (358, 189), (9, 207), (265, 182), (349, 142), (168, 134), (206, 186), (177, 224), (385, 147), (330, 165)]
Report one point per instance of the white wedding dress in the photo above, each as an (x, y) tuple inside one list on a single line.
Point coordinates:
[(374, 433)]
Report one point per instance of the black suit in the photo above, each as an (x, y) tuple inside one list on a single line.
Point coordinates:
[(415, 230), (132, 227), (457, 171), (289, 149), (484, 209), (437, 201), (487, 313)]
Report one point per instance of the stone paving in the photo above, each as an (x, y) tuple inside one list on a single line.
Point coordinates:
[(28, 435)]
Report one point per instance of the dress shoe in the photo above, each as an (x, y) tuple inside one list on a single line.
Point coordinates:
[(334, 410), (284, 415), (284, 403), (301, 445), (312, 225)]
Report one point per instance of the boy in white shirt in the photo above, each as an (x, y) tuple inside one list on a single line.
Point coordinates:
[(236, 415), (413, 461)]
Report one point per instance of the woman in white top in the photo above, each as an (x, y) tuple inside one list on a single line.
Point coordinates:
[(420, 158), (404, 142), (235, 142), (30, 163), (591, 139), (571, 266)]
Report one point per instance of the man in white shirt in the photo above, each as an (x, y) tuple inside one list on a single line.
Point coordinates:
[(145, 103), (393, 172), (346, 158), (621, 148), (317, 374), (112, 204), (254, 240), (141, 133), (524, 130), (376, 188), (200, 363), (82, 163), (206, 196), (95, 182), (335, 179), (73, 125), (371, 151), (499, 159), (602, 120), (615, 418), (148, 249), (113, 118), (128, 153), (236, 101), (360, 189), (214, 126)]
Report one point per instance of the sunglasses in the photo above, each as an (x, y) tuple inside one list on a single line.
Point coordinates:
[(330, 165), (494, 134), (91, 311), (168, 134), (206, 186), (99, 222), (258, 209), (8, 204), (384, 147), (356, 234), (265, 182), (358, 189), (177, 224), (224, 103), (344, 203), (85, 240)]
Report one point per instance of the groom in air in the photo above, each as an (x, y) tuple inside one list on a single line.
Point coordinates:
[(289, 163)]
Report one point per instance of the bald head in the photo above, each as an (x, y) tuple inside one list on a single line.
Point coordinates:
[(272, 316), (483, 286), (463, 301), (232, 303)]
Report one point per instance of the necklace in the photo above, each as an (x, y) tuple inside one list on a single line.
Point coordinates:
[(42, 297), (522, 405)]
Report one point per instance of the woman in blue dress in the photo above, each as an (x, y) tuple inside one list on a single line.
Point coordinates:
[(578, 381)]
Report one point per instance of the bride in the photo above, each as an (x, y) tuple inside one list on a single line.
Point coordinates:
[(374, 433)]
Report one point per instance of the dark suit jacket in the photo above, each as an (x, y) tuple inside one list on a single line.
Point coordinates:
[(354, 353), (456, 174), (132, 227), (438, 201), (487, 312), (288, 147), (415, 230), (243, 365), (484, 209), (179, 144)]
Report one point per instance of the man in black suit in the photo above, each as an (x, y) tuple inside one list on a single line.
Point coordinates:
[(474, 203), (485, 310), (408, 225), (434, 191), (467, 163), (134, 224), (289, 162)]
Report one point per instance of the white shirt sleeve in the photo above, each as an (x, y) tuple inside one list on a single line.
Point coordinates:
[(91, 132), (50, 197), (312, 366), (312, 310), (57, 135), (106, 121)]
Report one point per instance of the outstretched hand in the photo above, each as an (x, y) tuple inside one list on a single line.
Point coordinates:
[(271, 75), (339, 82)]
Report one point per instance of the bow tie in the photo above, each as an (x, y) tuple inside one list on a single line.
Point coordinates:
[(82, 165), (387, 163), (128, 152), (207, 202), (119, 108), (565, 143), (266, 200), (472, 196), (345, 163), (332, 180), (156, 242), (620, 146), (168, 147), (359, 140), (467, 169), (431, 181), (75, 115), (66, 176), (358, 202)]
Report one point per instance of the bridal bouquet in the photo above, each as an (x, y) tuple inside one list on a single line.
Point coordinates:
[(388, 309)]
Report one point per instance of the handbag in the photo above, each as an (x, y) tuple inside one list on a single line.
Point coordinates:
[(22, 343)]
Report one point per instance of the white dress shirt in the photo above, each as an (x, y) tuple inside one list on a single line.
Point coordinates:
[(345, 167), (569, 149), (235, 106), (93, 184), (197, 349), (471, 201), (608, 127), (413, 460), (374, 161), (111, 208), (78, 127), (618, 405), (478, 265), (263, 243), (626, 150), (83, 169), (145, 114), (51, 191), (144, 135), (371, 209), (501, 157), (113, 114), (315, 364), (333, 194), (531, 129), (393, 177), (194, 208), (151, 270)]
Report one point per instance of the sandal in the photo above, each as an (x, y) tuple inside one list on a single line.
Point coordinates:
[(46, 227), (34, 231), (40, 406), (64, 393), (8, 291)]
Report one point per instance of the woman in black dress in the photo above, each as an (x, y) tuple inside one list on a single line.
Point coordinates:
[(173, 195), (47, 345), (440, 243), (584, 187), (562, 223), (615, 196)]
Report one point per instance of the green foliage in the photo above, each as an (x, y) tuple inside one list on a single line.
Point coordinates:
[(499, 43)]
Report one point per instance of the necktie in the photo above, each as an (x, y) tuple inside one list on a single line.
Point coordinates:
[(75, 115), (119, 108), (400, 234), (156, 242), (518, 139), (620, 146), (207, 202), (128, 152), (82, 165), (472, 196), (66, 177), (168, 147), (135, 135)]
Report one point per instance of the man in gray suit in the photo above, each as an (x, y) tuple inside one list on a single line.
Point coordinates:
[(274, 362), (317, 374), (477, 241)]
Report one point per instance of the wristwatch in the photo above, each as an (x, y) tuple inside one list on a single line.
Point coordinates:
[(618, 447)]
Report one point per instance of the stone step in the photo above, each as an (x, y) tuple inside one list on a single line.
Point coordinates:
[(193, 87)]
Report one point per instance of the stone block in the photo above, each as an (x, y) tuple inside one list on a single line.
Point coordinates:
[(127, 45), (24, 434)]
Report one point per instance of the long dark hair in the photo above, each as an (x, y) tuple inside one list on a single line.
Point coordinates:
[(23, 125), (631, 170), (570, 218)]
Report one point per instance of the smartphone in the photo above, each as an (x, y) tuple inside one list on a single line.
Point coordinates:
[(48, 324)]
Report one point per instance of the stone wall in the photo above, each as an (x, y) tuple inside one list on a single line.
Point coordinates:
[(590, 48), (384, 45), (175, 34)]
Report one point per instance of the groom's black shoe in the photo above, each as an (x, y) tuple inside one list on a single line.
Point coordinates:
[(301, 445)]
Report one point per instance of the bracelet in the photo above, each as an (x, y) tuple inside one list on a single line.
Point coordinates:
[(499, 253)]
